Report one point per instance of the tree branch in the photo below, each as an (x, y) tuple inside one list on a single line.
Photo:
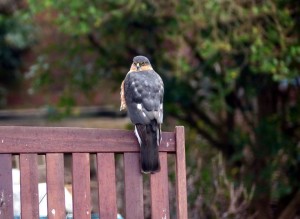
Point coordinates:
[(204, 117), (291, 208), (223, 147), (96, 44)]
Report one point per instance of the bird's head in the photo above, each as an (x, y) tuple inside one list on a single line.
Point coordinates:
[(140, 63)]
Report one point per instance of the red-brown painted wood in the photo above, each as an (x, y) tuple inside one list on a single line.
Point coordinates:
[(55, 186), (18, 139), (107, 185), (29, 186), (81, 185), (81, 141), (134, 206), (160, 190), (6, 191), (181, 192)]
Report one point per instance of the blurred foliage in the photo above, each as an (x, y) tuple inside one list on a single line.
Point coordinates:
[(231, 73), (16, 36)]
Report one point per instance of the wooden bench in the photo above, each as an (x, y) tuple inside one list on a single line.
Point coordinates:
[(29, 142)]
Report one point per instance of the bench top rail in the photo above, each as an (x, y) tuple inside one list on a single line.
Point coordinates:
[(20, 139)]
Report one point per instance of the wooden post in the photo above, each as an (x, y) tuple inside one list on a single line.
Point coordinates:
[(160, 190), (6, 191), (29, 186), (134, 206), (181, 174), (81, 186), (107, 185), (55, 186)]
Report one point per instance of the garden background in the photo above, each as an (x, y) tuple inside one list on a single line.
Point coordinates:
[(231, 75)]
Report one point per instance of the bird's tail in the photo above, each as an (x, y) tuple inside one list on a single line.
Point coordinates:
[(149, 139)]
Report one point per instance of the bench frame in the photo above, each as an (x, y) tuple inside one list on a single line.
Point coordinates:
[(53, 142)]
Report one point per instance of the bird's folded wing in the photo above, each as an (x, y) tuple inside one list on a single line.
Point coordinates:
[(143, 92)]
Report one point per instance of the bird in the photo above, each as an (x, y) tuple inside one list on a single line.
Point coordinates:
[(142, 93)]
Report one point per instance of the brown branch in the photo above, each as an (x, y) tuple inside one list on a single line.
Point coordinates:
[(226, 149), (203, 116), (291, 208), (247, 119), (96, 44)]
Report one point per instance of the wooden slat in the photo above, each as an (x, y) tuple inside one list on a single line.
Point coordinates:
[(18, 139), (160, 190), (134, 207), (55, 186), (29, 186), (6, 191), (181, 192), (81, 185), (107, 185)]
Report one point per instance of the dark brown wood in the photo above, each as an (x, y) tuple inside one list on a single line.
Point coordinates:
[(55, 186), (159, 185), (6, 191), (181, 192), (107, 185), (81, 185), (29, 186), (18, 139), (134, 206)]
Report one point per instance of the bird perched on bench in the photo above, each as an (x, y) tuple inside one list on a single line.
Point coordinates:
[(142, 94)]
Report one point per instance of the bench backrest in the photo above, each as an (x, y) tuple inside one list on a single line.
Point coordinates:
[(28, 142)]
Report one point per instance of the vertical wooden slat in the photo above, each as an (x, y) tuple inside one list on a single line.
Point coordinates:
[(29, 186), (6, 191), (107, 185), (134, 206), (55, 186), (81, 186), (181, 192), (160, 190)]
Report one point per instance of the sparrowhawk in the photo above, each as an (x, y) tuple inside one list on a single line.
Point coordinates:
[(142, 94)]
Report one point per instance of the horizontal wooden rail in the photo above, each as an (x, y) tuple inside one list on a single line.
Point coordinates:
[(20, 139)]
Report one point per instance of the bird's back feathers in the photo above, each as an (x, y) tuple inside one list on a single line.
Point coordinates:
[(143, 92)]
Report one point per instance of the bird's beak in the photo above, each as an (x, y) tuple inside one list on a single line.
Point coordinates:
[(138, 66)]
